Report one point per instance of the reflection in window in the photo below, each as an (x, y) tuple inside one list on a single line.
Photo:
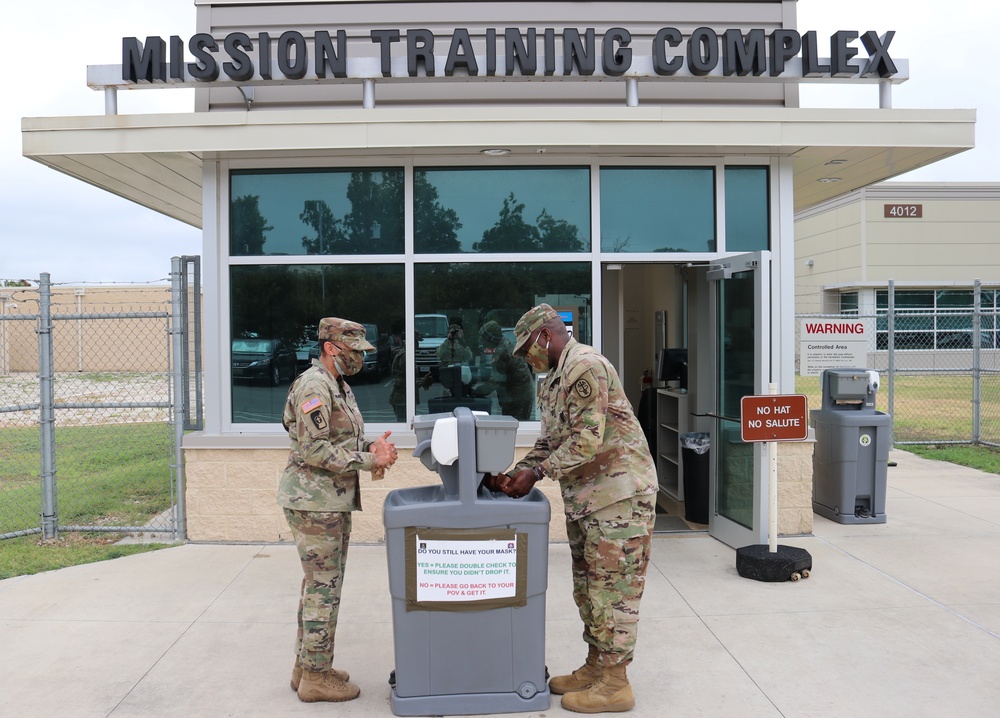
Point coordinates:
[(282, 305), (659, 209), (519, 210), (316, 212), (471, 366), (747, 207)]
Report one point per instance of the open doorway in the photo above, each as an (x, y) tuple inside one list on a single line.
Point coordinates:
[(649, 316)]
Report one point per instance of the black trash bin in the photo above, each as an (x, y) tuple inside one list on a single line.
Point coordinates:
[(694, 453)]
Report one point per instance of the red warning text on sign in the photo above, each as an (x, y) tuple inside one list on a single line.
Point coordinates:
[(774, 417)]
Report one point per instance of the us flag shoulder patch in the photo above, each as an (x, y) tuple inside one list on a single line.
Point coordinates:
[(311, 405)]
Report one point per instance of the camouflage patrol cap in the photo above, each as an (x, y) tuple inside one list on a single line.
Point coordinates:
[(530, 321), (490, 333), (334, 329)]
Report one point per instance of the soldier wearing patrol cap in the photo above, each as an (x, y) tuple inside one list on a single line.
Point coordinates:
[(318, 491), (509, 376), (593, 445)]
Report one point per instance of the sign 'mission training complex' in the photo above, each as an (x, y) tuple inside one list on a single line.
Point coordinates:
[(511, 52)]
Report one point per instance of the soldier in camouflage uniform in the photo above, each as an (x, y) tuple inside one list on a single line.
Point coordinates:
[(509, 376), (592, 444), (318, 491)]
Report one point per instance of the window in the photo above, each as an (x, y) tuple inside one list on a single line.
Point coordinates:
[(461, 368), (334, 227), (658, 209), (521, 210), (747, 209), (936, 319), (316, 212), (848, 302), (279, 307)]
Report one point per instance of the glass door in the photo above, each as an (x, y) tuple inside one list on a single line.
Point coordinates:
[(741, 314)]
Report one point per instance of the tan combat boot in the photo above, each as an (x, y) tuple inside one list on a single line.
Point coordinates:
[(297, 675), (325, 686), (610, 694), (580, 679)]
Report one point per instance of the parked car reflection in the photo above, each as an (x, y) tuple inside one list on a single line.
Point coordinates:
[(268, 360)]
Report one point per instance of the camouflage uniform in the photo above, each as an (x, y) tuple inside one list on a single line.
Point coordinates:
[(592, 444), (510, 376), (453, 351), (397, 396), (319, 489)]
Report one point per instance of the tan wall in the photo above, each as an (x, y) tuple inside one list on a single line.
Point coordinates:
[(852, 242), (90, 345), (231, 494)]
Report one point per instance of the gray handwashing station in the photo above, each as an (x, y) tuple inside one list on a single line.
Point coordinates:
[(467, 576)]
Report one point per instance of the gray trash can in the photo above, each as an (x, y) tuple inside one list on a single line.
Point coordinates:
[(468, 570), (694, 459), (851, 454)]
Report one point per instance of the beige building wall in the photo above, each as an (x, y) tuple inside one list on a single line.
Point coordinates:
[(231, 494), (852, 244), (89, 345)]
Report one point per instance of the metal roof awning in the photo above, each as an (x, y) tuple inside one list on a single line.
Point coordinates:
[(156, 160)]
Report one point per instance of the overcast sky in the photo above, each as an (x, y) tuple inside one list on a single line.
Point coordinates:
[(77, 233)]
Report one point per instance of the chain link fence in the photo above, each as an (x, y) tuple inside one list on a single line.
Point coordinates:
[(89, 381), (939, 371)]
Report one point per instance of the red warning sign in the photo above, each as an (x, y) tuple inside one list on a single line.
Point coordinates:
[(774, 417)]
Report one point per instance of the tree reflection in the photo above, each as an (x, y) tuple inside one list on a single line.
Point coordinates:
[(247, 226), (512, 233)]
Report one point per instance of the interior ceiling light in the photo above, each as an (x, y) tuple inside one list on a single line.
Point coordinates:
[(830, 179), (837, 162), (495, 152)]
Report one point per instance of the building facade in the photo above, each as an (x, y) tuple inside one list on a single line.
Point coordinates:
[(412, 165)]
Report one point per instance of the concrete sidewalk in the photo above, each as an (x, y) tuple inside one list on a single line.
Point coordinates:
[(897, 619)]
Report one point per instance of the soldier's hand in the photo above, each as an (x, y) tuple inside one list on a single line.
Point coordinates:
[(519, 484), (385, 451), (492, 481)]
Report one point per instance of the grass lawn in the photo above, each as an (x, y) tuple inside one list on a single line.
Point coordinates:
[(26, 555), (109, 475), (984, 458), (929, 407)]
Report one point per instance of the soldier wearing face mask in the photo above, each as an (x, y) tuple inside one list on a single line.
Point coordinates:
[(318, 491), (593, 445)]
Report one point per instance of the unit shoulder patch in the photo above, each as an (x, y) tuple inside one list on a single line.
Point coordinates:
[(318, 420), (583, 388)]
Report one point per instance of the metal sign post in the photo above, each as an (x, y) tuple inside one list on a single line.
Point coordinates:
[(771, 419)]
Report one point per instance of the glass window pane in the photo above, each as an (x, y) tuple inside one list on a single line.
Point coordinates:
[(274, 313), (316, 212), (469, 368), (954, 320), (661, 209), (907, 322), (914, 299), (848, 302), (747, 225), (954, 299), (501, 211)]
